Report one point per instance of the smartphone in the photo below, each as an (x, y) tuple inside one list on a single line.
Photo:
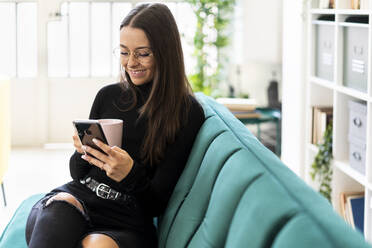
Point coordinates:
[(87, 130)]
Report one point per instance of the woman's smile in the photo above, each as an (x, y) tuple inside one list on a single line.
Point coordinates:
[(137, 73)]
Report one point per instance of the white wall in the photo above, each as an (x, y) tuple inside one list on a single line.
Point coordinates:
[(43, 113), (68, 100), (262, 46), (26, 120), (294, 71)]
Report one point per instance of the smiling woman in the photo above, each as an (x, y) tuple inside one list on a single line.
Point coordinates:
[(115, 193), (136, 55)]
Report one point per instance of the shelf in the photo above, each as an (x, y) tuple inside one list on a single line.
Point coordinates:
[(329, 53), (352, 92), (323, 11), (341, 11), (353, 11), (322, 82), (353, 24), (345, 168), (331, 23)]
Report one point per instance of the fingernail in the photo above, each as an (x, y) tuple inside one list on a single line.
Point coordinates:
[(83, 157), (84, 148), (95, 140)]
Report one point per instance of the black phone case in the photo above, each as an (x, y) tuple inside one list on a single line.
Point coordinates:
[(89, 129)]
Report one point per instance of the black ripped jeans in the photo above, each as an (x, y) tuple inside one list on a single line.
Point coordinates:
[(58, 224)]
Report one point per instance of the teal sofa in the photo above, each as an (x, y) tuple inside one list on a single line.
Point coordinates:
[(234, 193)]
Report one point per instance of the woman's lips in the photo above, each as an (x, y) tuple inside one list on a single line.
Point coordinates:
[(137, 73)]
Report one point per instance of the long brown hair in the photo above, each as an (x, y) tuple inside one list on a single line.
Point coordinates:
[(169, 101)]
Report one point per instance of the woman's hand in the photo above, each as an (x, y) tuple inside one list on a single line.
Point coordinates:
[(117, 163), (77, 144)]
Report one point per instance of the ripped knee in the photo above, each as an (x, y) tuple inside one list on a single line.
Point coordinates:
[(63, 196)]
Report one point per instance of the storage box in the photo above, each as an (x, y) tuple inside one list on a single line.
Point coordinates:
[(357, 154), (358, 119), (356, 57), (324, 49)]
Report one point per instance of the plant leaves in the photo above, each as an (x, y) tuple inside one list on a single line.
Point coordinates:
[(321, 167)]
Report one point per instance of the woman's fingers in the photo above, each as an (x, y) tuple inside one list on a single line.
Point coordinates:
[(77, 144), (117, 164), (94, 161), (76, 141), (107, 149), (97, 154), (103, 166), (119, 150)]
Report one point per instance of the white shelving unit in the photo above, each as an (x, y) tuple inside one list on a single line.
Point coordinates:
[(320, 91)]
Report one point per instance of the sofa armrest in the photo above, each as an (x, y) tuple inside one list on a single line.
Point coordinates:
[(14, 233)]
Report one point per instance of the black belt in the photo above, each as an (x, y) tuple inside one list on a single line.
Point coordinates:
[(104, 191)]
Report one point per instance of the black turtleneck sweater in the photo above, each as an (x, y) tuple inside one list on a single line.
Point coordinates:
[(151, 186)]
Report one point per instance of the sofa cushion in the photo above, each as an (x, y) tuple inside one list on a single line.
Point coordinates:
[(224, 199), (263, 210), (14, 233), (207, 210), (195, 198)]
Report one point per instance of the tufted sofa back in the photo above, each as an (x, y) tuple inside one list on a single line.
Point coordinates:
[(236, 193)]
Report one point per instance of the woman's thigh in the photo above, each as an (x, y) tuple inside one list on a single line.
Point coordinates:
[(98, 240), (119, 239)]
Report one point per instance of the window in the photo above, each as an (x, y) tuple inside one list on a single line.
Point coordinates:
[(186, 22), (81, 43), (18, 43)]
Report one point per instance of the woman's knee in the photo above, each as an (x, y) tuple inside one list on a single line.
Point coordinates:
[(97, 240), (63, 196)]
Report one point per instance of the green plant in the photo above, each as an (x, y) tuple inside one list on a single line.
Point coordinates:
[(243, 95), (213, 17), (321, 167)]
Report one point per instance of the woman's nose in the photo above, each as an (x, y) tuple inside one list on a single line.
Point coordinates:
[(132, 61)]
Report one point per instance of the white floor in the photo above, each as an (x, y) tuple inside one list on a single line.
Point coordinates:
[(32, 171)]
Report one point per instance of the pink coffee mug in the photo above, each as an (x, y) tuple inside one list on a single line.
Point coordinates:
[(113, 130)]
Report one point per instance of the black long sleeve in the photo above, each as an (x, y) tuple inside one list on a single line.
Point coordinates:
[(151, 185), (154, 192)]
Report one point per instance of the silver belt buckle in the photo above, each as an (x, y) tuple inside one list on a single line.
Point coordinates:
[(103, 191)]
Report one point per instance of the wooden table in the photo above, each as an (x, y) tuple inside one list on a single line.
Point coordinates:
[(262, 115)]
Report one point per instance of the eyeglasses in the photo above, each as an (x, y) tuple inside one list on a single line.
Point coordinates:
[(143, 55)]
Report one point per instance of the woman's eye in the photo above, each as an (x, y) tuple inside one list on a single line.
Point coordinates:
[(144, 54), (124, 53)]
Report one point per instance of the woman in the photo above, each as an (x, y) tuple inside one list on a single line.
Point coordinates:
[(161, 119)]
